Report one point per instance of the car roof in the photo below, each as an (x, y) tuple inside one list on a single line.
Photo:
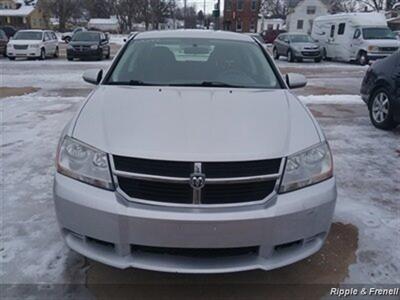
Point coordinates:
[(192, 33)]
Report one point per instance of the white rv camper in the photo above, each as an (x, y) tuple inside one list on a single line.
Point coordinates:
[(354, 36)]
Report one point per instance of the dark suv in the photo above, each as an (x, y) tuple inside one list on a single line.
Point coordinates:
[(381, 91), (90, 45)]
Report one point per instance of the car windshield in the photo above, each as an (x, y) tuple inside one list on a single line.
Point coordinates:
[(86, 37), (378, 34), (300, 38), (194, 62), (28, 35)]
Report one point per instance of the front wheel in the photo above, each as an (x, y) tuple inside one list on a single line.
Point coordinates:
[(362, 58), (57, 53), (275, 53), (67, 40), (290, 56), (42, 55), (318, 60), (381, 111), (11, 58)]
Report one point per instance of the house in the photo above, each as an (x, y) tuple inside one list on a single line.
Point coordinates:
[(106, 25), (22, 14), (241, 15), (303, 12), (393, 17), (270, 24)]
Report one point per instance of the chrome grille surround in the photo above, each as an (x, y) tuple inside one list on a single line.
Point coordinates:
[(196, 199)]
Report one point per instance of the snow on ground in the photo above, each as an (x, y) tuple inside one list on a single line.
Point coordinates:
[(31, 250), (118, 39), (331, 99)]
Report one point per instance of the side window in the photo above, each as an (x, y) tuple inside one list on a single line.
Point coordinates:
[(333, 27), (357, 34), (54, 36), (341, 29), (47, 36)]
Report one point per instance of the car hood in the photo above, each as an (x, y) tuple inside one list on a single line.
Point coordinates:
[(83, 43), (306, 45), (195, 124), (383, 43), (24, 42)]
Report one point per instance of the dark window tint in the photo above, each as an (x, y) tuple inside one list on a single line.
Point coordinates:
[(172, 61), (333, 31), (86, 37), (357, 34), (28, 35), (341, 29)]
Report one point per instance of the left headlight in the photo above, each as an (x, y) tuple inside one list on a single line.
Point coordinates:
[(307, 167), (373, 48), (84, 163), (94, 47)]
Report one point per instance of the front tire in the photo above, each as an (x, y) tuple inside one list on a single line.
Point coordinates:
[(275, 53), (318, 60), (362, 58), (381, 110), (67, 40), (57, 53), (290, 56), (42, 54), (11, 58)]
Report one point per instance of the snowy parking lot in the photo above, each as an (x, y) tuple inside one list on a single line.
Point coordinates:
[(38, 98)]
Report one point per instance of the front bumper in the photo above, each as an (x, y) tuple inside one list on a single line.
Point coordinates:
[(87, 53), (103, 226), (378, 55), (311, 54), (27, 53)]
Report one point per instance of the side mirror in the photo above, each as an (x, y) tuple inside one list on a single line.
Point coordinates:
[(295, 81), (93, 76)]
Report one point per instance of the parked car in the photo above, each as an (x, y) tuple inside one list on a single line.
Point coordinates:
[(89, 44), (37, 44), (296, 46), (381, 92), (357, 37), (9, 31), (3, 43), (218, 170), (67, 36), (397, 33)]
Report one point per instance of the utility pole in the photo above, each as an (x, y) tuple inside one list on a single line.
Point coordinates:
[(184, 13)]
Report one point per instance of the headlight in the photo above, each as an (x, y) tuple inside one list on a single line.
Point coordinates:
[(84, 163), (94, 47), (373, 48), (34, 46), (297, 48), (307, 167)]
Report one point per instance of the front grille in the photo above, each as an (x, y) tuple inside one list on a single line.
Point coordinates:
[(82, 48), (20, 47), (172, 181), (156, 191), (197, 252), (310, 53), (388, 49)]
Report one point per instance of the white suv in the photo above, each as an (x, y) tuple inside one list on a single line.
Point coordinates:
[(192, 155), (37, 44)]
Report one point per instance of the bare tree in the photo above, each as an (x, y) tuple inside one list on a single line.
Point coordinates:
[(64, 10), (376, 5), (99, 8), (275, 8), (338, 6)]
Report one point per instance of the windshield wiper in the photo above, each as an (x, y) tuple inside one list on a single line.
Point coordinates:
[(208, 84), (133, 82)]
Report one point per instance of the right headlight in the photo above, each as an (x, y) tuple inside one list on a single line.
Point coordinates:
[(84, 163), (307, 167)]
